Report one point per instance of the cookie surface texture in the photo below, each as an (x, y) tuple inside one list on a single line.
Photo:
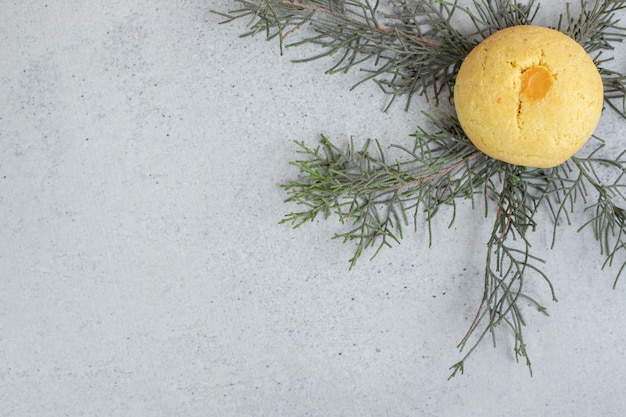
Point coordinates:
[(529, 95)]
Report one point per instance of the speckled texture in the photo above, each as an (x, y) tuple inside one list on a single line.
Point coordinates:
[(505, 123), (143, 271)]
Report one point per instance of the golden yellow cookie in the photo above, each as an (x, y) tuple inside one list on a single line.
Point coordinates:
[(529, 95)]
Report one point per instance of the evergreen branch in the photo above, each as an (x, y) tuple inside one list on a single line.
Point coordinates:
[(508, 263), (373, 195), (608, 219), (596, 27), (599, 183), (598, 30), (408, 56), (489, 16), (614, 90), (562, 187), (418, 50)]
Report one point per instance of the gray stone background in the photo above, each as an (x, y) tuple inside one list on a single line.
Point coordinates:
[(143, 271)]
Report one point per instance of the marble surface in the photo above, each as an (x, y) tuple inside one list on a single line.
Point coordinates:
[(143, 271)]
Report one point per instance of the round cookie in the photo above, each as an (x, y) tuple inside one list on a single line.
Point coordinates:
[(529, 95)]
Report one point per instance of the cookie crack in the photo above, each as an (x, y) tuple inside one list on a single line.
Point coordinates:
[(518, 110)]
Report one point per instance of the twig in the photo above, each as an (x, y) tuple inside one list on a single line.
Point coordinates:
[(439, 173), (380, 29)]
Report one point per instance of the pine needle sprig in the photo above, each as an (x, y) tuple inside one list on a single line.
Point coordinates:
[(600, 183), (489, 16), (377, 197), (508, 264), (413, 49), (597, 28), (608, 211), (614, 90)]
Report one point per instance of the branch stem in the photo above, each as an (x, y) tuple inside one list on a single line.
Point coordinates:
[(380, 29), (438, 174)]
